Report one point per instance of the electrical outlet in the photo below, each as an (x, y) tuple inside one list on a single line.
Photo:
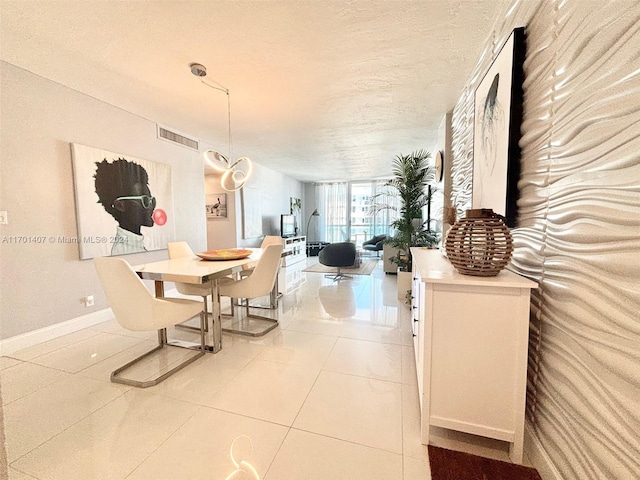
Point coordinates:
[(4, 218), (88, 301)]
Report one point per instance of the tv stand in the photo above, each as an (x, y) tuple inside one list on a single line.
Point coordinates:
[(295, 250), (313, 248)]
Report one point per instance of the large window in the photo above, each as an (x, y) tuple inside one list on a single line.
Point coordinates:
[(346, 212), (331, 199)]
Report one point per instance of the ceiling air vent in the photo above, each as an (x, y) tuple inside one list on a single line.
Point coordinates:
[(178, 138)]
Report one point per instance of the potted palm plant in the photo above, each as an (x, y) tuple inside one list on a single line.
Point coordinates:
[(410, 185)]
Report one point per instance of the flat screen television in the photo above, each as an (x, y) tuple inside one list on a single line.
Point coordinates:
[(287, 225)]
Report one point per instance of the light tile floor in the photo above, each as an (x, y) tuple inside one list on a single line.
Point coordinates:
[(330, 394)]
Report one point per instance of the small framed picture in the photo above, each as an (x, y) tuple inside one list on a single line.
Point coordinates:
[(216, 206)]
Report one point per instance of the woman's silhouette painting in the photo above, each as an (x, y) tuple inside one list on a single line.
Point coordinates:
[(122, 187), (123, 204)]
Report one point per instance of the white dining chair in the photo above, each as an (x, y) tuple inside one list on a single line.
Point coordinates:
[(266, 241), (271, 240), (135, 308), (258, 284), (274, 294), (181, 250)]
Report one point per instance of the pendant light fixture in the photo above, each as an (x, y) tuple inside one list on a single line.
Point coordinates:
[(234, 174)]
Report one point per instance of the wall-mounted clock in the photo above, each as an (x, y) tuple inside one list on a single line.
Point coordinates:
[(439, 165)]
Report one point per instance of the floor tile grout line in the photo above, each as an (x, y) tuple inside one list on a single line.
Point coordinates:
[(41, 387), (244, 415), (322, 368), (315, 380), (165, 440), (284, 439), (75, 344), (56, 349), (350, 441), (73, 424), (23, 472), (346, 441), (111, 356), (362, 376)]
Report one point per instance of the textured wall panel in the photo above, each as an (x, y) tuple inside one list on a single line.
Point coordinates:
[(578, 227), (462, 151)]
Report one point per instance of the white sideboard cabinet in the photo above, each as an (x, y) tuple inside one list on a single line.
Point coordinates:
[(470, 340), (295, 250)]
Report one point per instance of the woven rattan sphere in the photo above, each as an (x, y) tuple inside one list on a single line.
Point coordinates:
[(479, 244)]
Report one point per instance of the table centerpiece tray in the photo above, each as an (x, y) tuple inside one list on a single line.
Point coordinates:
[(225, 254)]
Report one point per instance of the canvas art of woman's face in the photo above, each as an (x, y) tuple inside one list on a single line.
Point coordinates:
[(123, 190), (135, 209)]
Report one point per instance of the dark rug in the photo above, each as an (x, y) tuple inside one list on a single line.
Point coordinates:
[(451, 465)]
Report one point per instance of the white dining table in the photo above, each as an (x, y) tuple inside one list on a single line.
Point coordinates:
[(195, 270)]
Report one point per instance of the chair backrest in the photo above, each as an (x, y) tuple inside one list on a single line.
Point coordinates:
[(375, 240), (180, 249), (131, 302), (263, 278), (264, 275), (271, 240), (341, 254)]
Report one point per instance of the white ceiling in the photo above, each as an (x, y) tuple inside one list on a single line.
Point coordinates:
[(320, 90)]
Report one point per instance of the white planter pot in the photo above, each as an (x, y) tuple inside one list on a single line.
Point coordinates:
[(404, 285)]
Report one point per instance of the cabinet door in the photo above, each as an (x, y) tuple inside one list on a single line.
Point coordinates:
[(415, 312), (417, 326), (478, 343)]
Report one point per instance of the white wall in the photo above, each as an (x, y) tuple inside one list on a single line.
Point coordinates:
[(43, 284), (578, 226), (275, 190)]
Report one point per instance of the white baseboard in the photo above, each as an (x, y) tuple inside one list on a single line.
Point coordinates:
[(29, 339), (538, 456)]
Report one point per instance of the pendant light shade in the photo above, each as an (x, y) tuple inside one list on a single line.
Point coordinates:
[(234, 175)]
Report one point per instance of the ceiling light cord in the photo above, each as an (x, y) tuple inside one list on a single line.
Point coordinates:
[(233, 177), (222, 88), (229, 123)]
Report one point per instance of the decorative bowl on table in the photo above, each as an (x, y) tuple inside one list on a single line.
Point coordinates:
[(226, 254)]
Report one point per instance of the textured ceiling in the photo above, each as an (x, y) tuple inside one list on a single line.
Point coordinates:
[(320, 90)]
